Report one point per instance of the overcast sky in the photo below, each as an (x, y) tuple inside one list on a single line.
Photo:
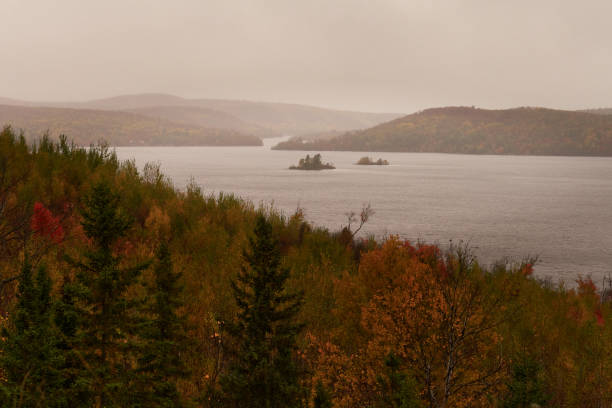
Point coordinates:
[(383, 55)]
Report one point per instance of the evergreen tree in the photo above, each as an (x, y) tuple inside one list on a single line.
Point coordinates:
[(108, 319), (264, 373), (31, 360), (75, 387), (165, 336), (399, 390), (526, 387), (322, 398)]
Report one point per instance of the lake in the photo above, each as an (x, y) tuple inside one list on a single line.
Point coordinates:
[(559, 208)]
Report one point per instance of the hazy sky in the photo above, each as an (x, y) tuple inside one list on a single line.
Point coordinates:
[(383, 55)]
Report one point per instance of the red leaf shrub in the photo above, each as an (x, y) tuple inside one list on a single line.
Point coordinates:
[(45, 225)]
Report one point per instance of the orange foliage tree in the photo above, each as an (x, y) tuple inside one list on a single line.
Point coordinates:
[(437, 313)]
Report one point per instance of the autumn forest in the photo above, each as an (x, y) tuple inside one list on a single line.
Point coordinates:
[(470, 130), (120, 290)]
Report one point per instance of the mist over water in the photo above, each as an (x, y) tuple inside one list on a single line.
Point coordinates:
[(558, 208)]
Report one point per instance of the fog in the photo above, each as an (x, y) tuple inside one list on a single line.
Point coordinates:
[(387, 55)]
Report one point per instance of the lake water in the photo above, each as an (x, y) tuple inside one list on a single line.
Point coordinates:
[(559, 208)]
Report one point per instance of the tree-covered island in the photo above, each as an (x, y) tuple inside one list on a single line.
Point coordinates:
[(312, 163), (368, 161)]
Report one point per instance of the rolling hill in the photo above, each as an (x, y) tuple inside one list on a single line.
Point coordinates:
[(197, 116), (295, 119), (521, 131), (263, 119), (87, 126), (599, 111)]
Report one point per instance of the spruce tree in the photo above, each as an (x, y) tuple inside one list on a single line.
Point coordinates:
[(75, 386), (398, 389), (108, 319), (31, 360), (264, 373), (526, 386), (322, 399), (164, 337)]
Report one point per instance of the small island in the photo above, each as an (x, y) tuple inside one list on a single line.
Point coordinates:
[(367, 161), (312, 163)]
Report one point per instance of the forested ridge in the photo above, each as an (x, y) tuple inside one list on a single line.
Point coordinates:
[(229, 118), (599, 111), (520, 131), (88, 126), (119, 290)]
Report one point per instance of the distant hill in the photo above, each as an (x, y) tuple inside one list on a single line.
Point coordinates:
[(9, 101), (86, 126), (262, 119), (599, 111), (204, 117), (525, 131), (297, 119)]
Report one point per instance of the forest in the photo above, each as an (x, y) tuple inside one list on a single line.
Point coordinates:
[(88, 126), (469, 130), (167, 120), (120, 290), (368, 161), (312, 163)]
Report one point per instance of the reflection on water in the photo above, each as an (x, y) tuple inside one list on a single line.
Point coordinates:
[(506, 206)]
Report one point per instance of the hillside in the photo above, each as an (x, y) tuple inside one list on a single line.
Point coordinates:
[(87, 127), (262, 119), (296, 119), (205, 117), (374, 316), (523, 131), (599, 111)]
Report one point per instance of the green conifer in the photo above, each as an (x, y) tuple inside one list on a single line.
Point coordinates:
[(398, 389), (164, 335), (31, 360), (526, 386), (108, 319), (322, 399), (264, 373), (75, 386)]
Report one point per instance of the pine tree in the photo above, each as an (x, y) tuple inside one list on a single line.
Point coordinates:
[(31, 360), (322, 399), (526, 387), (264, 373), (165, 336), (108, 319), (398, 389), (75, 386)]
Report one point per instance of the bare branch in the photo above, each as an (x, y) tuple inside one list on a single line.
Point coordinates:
[(364, 216)]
